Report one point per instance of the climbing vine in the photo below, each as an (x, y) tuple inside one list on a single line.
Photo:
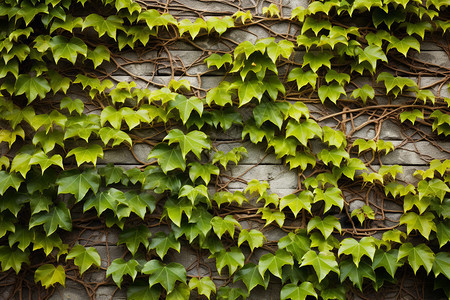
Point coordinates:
[(74, 94)]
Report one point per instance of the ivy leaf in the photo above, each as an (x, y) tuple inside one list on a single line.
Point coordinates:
[(424, 223), (228, 293), (296, 244), (72, 105), (220, 226), (388, 260), (194, 141), (297, 110), (443, 232), (274, 262), (13, 258), (283, 146), (332, 92), (233, 259), (404, 44), (143, 291), (256, 133), (166, 275), (218, 60), (84, 258), (220, 94), (366, 91), (98, 55), (411, 116), (251, 277), (442, 264), (418, 28), (185, 106), (434, 187), (271, 10), (303, 78), (272, 215), (68, 49), (204, 171), (249, 89), (302, 160), (323, 263), (420, 255), (366, 212), (298, 292), (357, 249), (349, 170), (119, 267), (47, 243), (203, 285), (169, 158), (371, 54), (254, 238), (331, 196), (49, 275), (220, 25), (191, 192), (315, 25), (303, 131), (270, 111), (316, 61), (364, 145), (162, 243), (254, 186), (8, 180), (78, 183), (22, 236), (133, 237), (326, 225), (41, 159), (102, 26), (118, 136), (395, 84), (356, 273), (297, 203), (334, 137), (334, 156), (31, 87), (194, 28), (111, 173), (58, 217), (175, 210), (181, 291), (87, 154), (109, 199), (234, 155)]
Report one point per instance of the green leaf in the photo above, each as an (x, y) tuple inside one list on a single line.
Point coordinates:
[(181, 291), (271, 10), (235, 155), (363, 93), (68, 49), (424, 223), (434, 187), (256, 133), (270, 111), (218, 60), (363, 213), (22, 236), (248, 90), (272, 215), (229, 293), (334, 137), (220, 25), (296, 244), (204, 171), (297, 203), (254, 238), (162, 243), (298, 292), (364, 145), (283, 146), (49, 275), (339, 77), (191, 192), (109, 199), (356, 273), (220, 94), (315, 25), (227, 224), (350, 246), (31, 87), (411, 116), (166, 275), (203, 285), (175, 210), (118, 136), (371, 54), (102, 26), (87, 154), (13, 258), (334, 156), (194, 28), (326, 225), (316, 61), (297, 110), (119, 267), (133, 237), (233, 259), (303, 131), (84, 258), (58, 217), (9, 180), (404, 44), (395, 84), (333, 92), (194, 141), (154, 19), (251, 277), (443, 232), (185, 106), (72, 105), (323, 263), (302, 160), (98, 55), (420, 255), (349, 170), (274, 262), (47, 243), (169, 158), (441, 264), (388, 260), (78, 183), (331, 196), (139, 291)]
